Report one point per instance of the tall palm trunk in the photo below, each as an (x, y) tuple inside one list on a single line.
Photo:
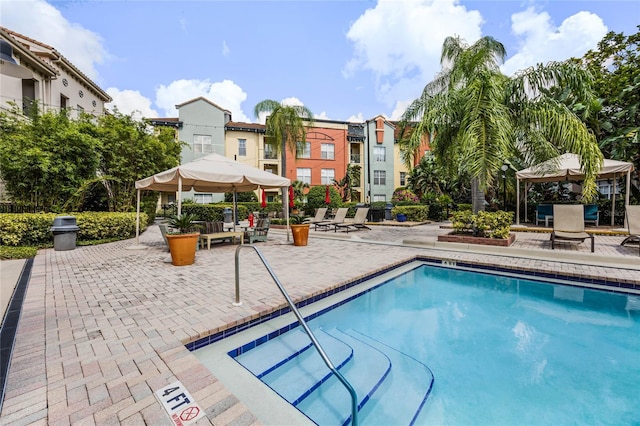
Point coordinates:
[(285, 198), (477, 195)]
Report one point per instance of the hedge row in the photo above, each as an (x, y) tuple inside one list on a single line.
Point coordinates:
[(418, 213), (33, 229)]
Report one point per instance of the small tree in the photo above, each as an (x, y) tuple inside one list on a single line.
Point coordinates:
[(316, 198)]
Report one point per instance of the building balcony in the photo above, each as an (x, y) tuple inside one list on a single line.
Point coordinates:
[(270, 156)]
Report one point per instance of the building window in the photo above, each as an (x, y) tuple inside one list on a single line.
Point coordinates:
[(29, 90), (242, 147), (606, 189), (379, 177), (327, 150), (203, 198), (202, 143), (64, 101), (303, 150), (379, 197), (269, 152), (403, 178), (380, 153), (328, 175), (303, 174)]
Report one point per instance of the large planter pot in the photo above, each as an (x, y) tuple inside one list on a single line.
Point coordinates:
[(470, 239), (183, 248), (300, 234)]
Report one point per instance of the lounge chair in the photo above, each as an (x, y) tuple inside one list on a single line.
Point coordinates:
[(257, 233), (568, 224), (358, 221), (339, 218), (318, 218), (633, 225)]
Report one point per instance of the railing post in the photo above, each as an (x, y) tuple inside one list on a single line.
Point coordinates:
[(237, 301), (303, 323)]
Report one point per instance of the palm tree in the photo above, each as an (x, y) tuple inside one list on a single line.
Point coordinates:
[(298, 189), (284, 129), (480, 117), (350, 180)]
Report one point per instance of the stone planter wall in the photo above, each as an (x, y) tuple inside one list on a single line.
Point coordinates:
[(469, 239)]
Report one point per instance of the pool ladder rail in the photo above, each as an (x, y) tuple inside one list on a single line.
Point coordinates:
[(303, 323)]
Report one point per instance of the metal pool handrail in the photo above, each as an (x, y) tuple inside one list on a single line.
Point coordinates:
[(303, 323)]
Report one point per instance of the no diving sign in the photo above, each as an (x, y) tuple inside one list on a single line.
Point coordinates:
[(179, 404)]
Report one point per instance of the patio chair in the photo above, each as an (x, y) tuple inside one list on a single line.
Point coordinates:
[(358, 221), (163, 230), (318, 218), (633, 225), (340, 216), (568, 224), (591, 214), (544, 212), (259, 232)]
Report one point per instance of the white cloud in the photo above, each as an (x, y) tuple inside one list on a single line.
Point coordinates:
[(322, 116), (401, 107), (225, 48), (39, 20), (400, 43), (226, 94), (358, 118), (541, 42), (292, 101), (131, 101)]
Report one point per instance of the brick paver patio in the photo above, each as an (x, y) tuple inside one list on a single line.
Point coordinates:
[(103, 327)]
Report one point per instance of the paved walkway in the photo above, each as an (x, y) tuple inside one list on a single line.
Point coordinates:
[(103, 327)]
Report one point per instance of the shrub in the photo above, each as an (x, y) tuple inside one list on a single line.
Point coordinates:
[(414, 213), (403, 195), (213, 212), (316, 198), (484, 224), (33, 229)]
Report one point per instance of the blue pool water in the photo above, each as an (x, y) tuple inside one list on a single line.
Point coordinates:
[(452, 347)]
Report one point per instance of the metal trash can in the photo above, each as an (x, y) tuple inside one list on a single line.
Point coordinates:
[(227, 215), (65, 231), (387, 211)]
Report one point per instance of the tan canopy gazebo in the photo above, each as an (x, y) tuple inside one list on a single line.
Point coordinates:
[(213, 173), (566, 168)]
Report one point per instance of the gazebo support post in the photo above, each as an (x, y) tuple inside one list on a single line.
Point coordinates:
[(517, 201), (613, 199)]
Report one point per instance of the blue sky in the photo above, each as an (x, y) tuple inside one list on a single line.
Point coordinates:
[(344, 60)]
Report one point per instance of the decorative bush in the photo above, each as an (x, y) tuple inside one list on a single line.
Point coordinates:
[(33, 229), (404, 195), (484, 224), (378, 205), (213, 212), (316, 198), (418, 213)]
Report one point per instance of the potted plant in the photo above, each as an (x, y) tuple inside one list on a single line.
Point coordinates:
[(183, 239), (299, 230)]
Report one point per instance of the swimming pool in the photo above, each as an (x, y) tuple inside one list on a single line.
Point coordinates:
[(451, 346)]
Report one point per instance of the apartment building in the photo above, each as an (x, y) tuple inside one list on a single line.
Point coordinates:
[(322, 158), (401, 172), (379, 159), (32, 71), (47, 78)]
